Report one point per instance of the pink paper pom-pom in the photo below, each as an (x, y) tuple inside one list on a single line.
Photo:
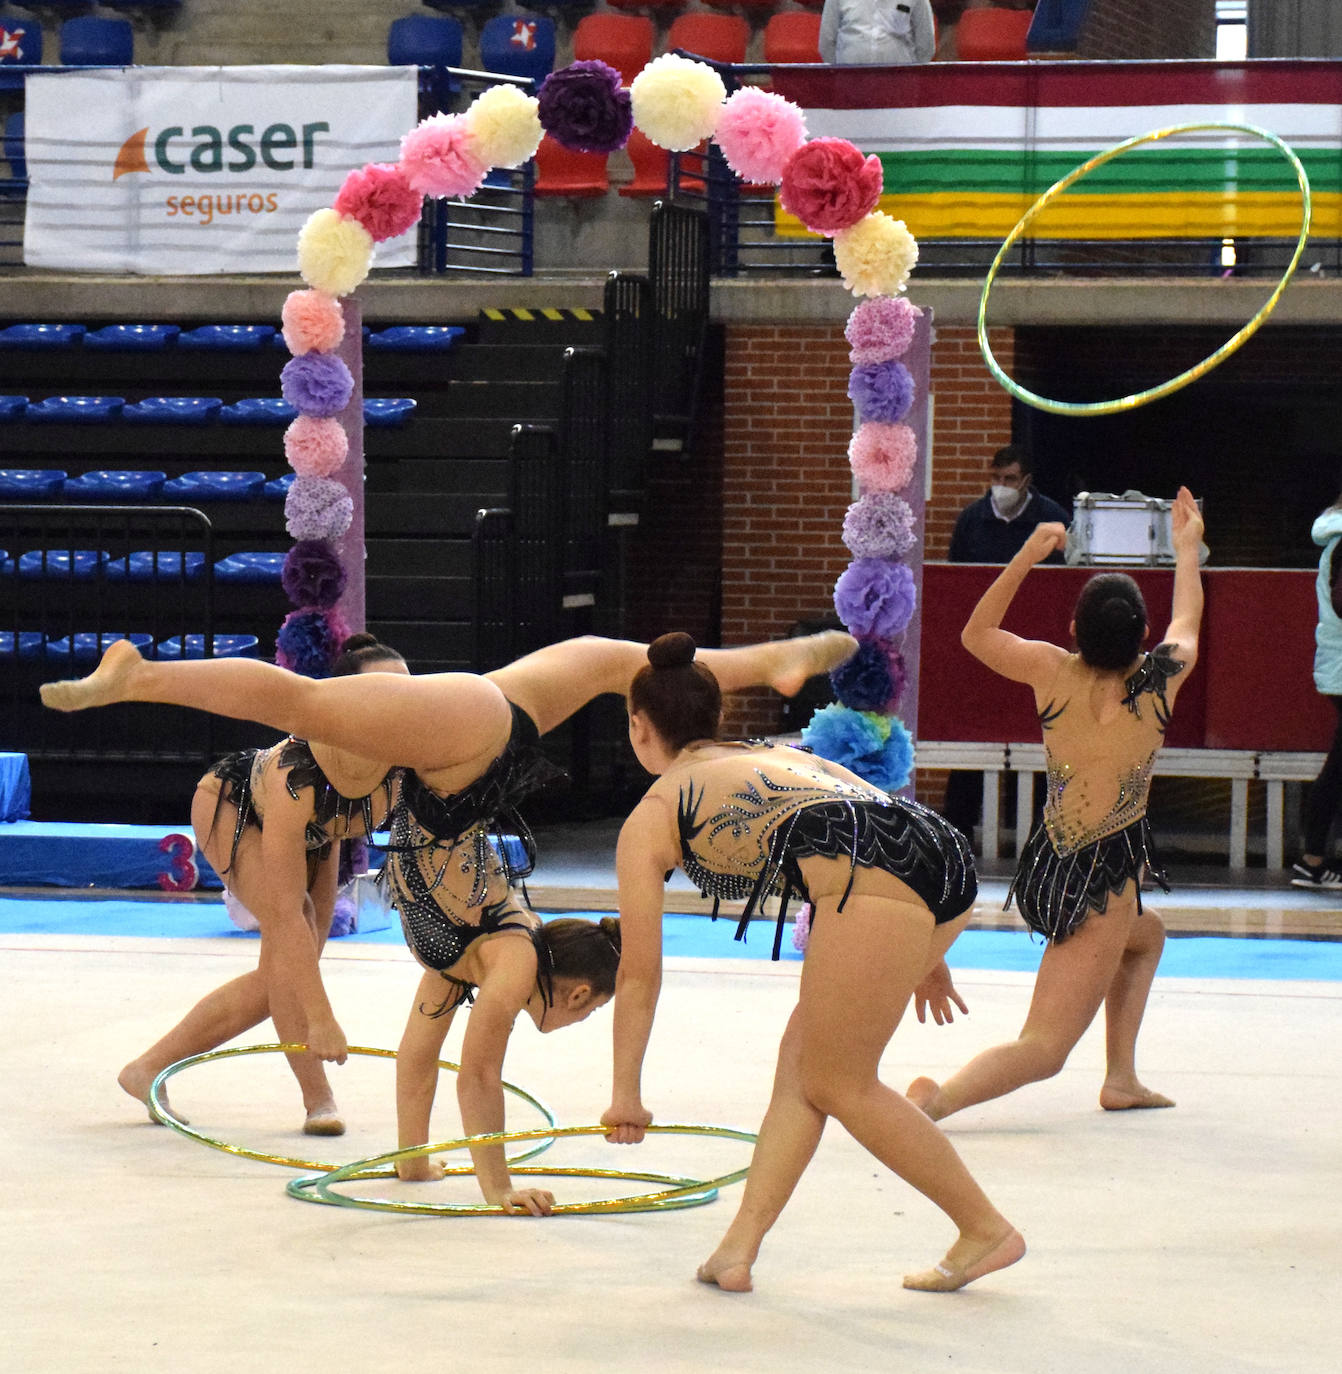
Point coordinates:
[(883, 455), (880, 329), (758, 131), (315, 448), (801, 929), (438, 157), (381, 199), (311, 322), (829, 185)]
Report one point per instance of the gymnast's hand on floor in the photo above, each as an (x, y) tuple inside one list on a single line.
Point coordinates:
[(518, 1201), (627, 1125), (938, 992)]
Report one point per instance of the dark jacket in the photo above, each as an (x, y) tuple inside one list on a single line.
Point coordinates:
[(981, 537)]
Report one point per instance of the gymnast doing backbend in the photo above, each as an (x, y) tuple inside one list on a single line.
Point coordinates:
[(890, 884), (1103, 711), (469, 748)]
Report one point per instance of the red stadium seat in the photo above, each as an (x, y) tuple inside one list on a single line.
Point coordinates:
[(622, 40), (992, 35), (651, 166), (721, 37), (792, 37), (561, 172)]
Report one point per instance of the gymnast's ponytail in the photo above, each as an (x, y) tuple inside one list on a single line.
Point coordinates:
[(1110, 621), (361, 652), (681, 698)]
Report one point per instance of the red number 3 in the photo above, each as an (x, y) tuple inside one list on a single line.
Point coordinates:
[(181, 875)]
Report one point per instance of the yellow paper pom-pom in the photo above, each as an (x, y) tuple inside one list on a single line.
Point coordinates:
[(334, 253), (505, 128), (876, 255), (677, 101)]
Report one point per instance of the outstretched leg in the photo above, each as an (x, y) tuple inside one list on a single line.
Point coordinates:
[(430, 722), (1124, 1007), (1074, 977), (553, 683)]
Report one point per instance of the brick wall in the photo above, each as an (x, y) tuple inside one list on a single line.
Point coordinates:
[(1149, 29)]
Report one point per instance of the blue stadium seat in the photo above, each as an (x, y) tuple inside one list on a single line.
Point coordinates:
[(110, 485), (29, 644), (90, 41), (259, 410), (132, 338), (416, 338), (20, 46), (77, 410), (24, 484), (214, 486), (30, 336), (80, 563), (225, 646), (386, 410), (150, 566), (6, 563), (518, 45), (174, 410), (249, 567), (238, 338), (421, 40), (90, 644), (12, 407), (278, 488), (14, 154)]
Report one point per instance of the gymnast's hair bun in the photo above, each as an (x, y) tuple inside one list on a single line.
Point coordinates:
[(675, 650), (610, 928), (361, 640)]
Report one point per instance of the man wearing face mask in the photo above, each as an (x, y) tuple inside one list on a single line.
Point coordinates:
[(994, 528)]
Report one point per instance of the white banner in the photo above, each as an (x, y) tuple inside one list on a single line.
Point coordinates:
[(199, 170)]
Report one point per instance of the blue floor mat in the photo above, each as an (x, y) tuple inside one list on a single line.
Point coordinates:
[(1193, 956)]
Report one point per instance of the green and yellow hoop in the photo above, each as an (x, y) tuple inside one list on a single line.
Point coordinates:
[(673, 1194), (162, 1112), (1236, 341)]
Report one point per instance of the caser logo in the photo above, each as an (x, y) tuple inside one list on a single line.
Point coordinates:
[(208, 150)]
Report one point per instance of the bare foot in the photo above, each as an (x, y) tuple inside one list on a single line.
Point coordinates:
[(925, 1094), (810, 656), (1128, 1095), (968, 1260), (106, 684), (730, 1274), (324, 1119), (136, 1079)]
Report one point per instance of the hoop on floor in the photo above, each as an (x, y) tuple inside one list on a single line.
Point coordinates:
[(163, 1113), (1231, 345), (676, 1192)]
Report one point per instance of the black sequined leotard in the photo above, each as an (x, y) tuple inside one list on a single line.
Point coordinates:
[(1095, 836), (448, 869), (754, 842), (334, 815)]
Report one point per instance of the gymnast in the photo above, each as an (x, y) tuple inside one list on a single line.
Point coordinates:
[(270, 822), (1104, 710), (469, 745), (890, 885)]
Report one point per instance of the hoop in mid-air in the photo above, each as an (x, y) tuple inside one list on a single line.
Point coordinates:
[(1237, 340)]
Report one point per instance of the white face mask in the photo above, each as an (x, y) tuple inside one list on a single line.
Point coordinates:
[(1006, 497)]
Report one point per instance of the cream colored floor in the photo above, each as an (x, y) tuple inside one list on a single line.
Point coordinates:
[(1200, 1239)]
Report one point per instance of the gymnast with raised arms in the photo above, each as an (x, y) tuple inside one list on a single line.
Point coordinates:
[(890, 884)]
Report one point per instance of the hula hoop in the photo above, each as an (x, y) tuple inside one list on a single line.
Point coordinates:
[(676, 1192), (1236, 341), (163, 1113)]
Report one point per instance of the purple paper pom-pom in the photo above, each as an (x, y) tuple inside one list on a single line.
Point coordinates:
[(879, 525), (899, 676), (864, 681), (344, 916), (875, 598), (312, 574), (881, 391), (317, 384), (306, 644), (317, 508), (584, 107)]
